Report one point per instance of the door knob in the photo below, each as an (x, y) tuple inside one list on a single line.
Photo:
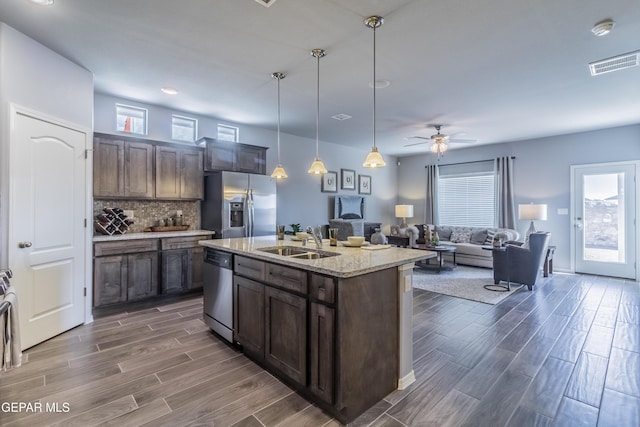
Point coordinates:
[(23, 245)]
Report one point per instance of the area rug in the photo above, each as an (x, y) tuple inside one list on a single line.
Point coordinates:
[(462, 282)]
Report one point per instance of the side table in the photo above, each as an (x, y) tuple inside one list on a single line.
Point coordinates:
[(548, 261)]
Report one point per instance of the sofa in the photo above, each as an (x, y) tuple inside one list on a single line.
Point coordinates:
[(468, 241)]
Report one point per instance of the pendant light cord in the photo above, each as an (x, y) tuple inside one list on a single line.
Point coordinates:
[(318, 108), (278, 78), (374, 86)]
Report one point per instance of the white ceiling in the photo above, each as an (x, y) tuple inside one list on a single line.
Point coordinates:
[(491, 70)]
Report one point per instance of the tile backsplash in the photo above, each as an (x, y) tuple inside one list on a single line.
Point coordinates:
[(148, 212)]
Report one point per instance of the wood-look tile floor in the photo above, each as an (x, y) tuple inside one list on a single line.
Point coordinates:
[(566, 354)]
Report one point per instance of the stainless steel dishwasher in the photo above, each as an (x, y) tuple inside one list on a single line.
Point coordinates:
[(218, 292)]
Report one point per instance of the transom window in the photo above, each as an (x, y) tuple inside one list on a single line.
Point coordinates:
[(228, 133), (184, 128), (131, 119)]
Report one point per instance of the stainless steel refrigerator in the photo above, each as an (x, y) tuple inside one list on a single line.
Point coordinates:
[(239, 204)]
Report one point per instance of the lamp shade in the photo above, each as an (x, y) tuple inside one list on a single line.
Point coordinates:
[(404, 211), (532, 212)]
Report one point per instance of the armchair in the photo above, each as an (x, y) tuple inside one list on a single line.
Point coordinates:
[(348, 216), (521, 264)]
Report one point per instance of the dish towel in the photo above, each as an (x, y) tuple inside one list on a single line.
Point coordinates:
[(375, 247), (10, 332)]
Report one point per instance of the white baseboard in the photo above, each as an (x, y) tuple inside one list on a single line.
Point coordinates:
[(407, 380)]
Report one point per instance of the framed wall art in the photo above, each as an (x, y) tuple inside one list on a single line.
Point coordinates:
[(330, 182), (348, 179), (364, 184)]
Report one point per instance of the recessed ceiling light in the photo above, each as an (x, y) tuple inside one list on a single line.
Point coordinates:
[(43, 2), (603, 28), (169, 91), (341, 117), (380, 84)]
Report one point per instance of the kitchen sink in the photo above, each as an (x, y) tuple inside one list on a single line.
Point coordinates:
[(298, 252)]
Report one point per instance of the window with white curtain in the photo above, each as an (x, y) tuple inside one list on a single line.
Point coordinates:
[(466, 195)]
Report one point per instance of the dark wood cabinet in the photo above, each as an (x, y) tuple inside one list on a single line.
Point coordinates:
[(126, 277), (110, 280), (286, 333), (233, 156), (138, 170), (131, 270), (142, 275), (126, 167), (249, 315), (108, 167), (321, 351), (179, 173)]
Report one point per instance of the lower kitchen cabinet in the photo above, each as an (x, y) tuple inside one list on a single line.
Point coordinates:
[(132, 270), (286, 333), (124, 278), (321, 354), (142, 276), (249, 315)]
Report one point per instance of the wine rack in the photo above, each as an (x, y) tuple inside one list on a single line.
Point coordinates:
[(112, 221)]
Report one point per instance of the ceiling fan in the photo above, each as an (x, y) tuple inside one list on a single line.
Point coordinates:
[(438, 141)]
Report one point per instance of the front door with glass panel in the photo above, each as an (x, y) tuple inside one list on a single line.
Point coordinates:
[(604, 219)]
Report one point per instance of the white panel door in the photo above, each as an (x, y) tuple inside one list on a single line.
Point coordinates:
[(46, 226), (604, 215)]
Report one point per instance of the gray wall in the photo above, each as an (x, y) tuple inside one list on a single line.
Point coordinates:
[(542, 173), (34, 77), (299, 199)]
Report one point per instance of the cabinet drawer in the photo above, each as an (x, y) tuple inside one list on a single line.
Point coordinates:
[(182, 242), (249, 267), (288, 278), (322, 288), (125, 247)]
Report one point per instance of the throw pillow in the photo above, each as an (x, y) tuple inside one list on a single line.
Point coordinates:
[(490, 234), (460, 237), (478, 237), (351, 216), (444, 233)]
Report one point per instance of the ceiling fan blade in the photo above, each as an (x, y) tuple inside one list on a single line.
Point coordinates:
[(463, 141), (417, 143)]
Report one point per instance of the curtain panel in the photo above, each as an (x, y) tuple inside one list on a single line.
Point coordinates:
[(431, 209), (505, 202)]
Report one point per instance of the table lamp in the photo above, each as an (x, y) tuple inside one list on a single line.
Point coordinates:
[(404, 212), (532, 212)]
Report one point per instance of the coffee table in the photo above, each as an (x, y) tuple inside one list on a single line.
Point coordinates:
[(441, 265)]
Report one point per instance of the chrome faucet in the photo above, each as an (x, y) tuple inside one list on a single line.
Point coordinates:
[(316, 234)]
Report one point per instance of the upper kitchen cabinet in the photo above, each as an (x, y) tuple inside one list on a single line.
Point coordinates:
[(233, 156), (133, 168), (179, 173)]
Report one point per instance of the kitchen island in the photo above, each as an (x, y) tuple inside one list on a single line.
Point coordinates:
[(335, 326)]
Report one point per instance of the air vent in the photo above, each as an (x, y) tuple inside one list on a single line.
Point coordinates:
[(266, 3), (616, 63), (341, 117)]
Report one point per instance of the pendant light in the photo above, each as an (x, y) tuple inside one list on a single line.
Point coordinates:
[(317, 167), (374, 158), (279, 172)]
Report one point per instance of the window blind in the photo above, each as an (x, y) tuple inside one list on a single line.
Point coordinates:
[(467, 199)]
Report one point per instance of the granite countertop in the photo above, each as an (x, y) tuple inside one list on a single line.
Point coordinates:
[(152, 235), (351, 261)]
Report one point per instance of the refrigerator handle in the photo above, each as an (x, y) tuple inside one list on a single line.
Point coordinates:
[(250, 213)]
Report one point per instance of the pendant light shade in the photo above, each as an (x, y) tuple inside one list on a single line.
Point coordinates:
[(374, 158), (279, 172), (317, 167)]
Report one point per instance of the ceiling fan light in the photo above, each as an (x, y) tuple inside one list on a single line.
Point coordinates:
[(438, 147), (279, 173), (317, 167), (374, 159)]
